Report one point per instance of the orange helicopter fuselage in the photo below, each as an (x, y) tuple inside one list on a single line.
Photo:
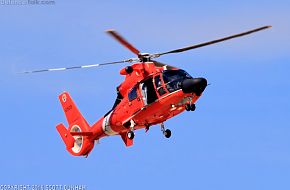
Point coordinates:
[(166, 104), (144, 99)]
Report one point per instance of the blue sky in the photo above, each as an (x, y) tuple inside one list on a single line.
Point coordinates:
[(238, 137)]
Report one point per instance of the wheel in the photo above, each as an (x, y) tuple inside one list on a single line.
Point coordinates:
[(192, 107), (187, 107), (131, 135), (167, 133)]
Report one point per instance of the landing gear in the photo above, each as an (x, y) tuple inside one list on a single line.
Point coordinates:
[(190, 107), (130, 135), (167, 132), (187, 107)]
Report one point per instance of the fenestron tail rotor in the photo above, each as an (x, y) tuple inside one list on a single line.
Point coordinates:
[(144, 57)]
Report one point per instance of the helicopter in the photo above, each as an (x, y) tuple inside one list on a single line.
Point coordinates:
[(151, 93)]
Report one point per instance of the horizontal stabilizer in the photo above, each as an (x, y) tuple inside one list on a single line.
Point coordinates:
[(81, 133)]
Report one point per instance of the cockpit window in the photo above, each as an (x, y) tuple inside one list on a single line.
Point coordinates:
[(132, 94), (173, 79)]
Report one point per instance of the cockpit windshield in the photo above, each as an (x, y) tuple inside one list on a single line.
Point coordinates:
[(173, 79)]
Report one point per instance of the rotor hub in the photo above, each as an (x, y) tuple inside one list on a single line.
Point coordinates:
[(144, 57)]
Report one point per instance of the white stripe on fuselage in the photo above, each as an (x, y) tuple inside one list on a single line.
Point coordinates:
[(106, 126)]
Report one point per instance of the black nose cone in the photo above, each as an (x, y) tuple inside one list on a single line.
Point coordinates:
[(195, 85)]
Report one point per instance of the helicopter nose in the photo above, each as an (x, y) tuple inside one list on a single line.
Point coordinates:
[(195, 85)]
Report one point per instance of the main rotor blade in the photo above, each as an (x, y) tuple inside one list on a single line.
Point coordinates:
[(123, 41), (211, 42), (77, 67)]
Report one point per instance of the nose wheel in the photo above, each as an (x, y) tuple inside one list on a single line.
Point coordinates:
[(190, 107), (166, 132)]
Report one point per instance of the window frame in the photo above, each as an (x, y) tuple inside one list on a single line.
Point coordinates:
[(159, 86)]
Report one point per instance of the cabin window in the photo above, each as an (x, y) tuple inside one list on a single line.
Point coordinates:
[(148, 91), (132, 94)]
